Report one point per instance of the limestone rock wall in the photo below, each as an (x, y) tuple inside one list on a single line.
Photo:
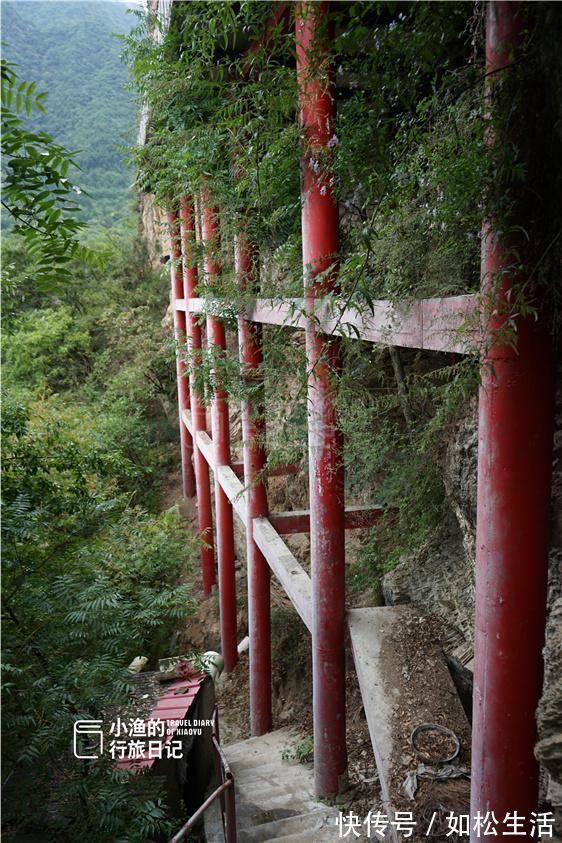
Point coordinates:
[(549, 713), (440, 577), (152, 232)]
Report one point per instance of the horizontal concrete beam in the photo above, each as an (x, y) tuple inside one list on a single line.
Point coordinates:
[(448, 324), (298, 521), (205, 445), (233, 489), (230, 484), (237, 467), (278, 471), (284, 565)]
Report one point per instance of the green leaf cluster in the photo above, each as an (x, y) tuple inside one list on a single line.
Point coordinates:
[(36, 190)]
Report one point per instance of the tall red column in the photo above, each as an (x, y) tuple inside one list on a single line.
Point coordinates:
[(194, 344), (186, 444), (253, 434), (512, 537), (320, 236), (220, 425)]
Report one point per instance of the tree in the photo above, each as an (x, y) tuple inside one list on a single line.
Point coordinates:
[(88, 584), (37, 193)]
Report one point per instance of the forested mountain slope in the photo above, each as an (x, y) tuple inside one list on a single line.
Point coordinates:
[(69, 50)]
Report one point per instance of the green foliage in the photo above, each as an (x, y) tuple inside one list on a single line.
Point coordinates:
[(400, 460), (47, 349), (194, 129), (88, 584), (69, 49), (424, 149), (37, 192), (302, 752), (92, 571), (410, 165), (410, 157)]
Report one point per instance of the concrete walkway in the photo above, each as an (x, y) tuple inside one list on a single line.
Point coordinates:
[(274, 796), (404, 682)]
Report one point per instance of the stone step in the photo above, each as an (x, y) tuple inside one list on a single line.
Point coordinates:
[(323, 835), (265, 763), (284, 768), (259, 789), (257, 783), (213, 823), (265, 793), (279, 737), (270, 772), (308, 824), (275, 796), (329, 834), (281, 801)]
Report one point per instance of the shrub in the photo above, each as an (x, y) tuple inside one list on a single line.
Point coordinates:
[(46, 349)]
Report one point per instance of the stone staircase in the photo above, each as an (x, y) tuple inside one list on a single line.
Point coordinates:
[(274, 796), (404, 682)]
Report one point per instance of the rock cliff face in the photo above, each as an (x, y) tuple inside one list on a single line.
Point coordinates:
[(440, 578), (151, 230), (549, 713)]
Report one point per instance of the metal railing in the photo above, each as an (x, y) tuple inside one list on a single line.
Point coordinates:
[(224, 792)]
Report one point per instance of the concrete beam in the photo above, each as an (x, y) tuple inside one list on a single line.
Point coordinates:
[(395, 694), (286, 568)]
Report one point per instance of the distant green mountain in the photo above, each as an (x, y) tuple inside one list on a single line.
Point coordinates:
[(69, 50)]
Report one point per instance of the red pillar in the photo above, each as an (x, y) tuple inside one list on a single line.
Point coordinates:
[(220, 425), (194, 344), (186, 444), (512, 537), (253, 434), (320, 250)]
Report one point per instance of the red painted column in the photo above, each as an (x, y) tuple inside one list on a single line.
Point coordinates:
[(320, 235), (253, 434), (186, 444), (220, 425), (512, 537), (194, 344)]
